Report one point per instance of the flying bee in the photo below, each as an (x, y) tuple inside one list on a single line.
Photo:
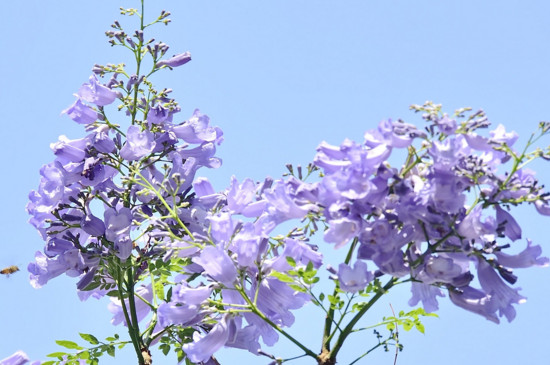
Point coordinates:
[(9, 270)]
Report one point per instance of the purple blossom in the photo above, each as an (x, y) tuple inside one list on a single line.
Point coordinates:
[(138, 144), (501, 294), (18, 358), (45, 268), (197, 129), (511, 228), (530, 256), (246, 244), (202, 348), (427, 294), (94, 92), (473, 227), (241, 198), (81, 113), (175, 61), (276, 299), (185, 306), (142, 308), (217, 265), (159, 114), (476, 301), (102, 142), (68, 150), (356, 279), (342, 230), (117, 223), (300, 252), (92, 225)]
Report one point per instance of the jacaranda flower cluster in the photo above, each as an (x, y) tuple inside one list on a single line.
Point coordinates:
[(189, 269)]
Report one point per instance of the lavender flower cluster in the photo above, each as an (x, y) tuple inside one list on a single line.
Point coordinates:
[(123, 210)]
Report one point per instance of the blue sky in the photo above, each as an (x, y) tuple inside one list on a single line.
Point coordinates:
[(278, 77)]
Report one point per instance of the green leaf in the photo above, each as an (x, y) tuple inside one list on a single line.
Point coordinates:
[(321, 297), (291, 261), (111, 350), (84, 355), (282, 277), (68, 344), (113, 293), (165, 348), (90, 338), (159, 290), (56, 354), (419, 326), (110, 339), (298, 288), (92, 286), (48, 363), (407, 325)]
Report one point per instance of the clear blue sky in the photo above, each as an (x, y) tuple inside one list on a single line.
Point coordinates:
[(278, 77)]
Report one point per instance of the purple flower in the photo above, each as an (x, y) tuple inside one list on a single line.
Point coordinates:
[(184, 307), (102, 142), (342, 230), (175, 61), (92, 225), (276, 299), (18, 358), (300, 252), (142, 308), (205, 193), (68, 150), (197, 129), (501, 294), (526, 258), (217, 265), (123, 247), (241, 198), (138, 144), (499, 135), (158, 114), (356, 279), (427, 294), (117, 223), (472, 226), (202, 348), (81, 113), (511, 228), (45, 268), (246, 244), (94, 92), (476, 301)]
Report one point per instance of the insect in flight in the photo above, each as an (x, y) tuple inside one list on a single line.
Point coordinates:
[(9, 270)]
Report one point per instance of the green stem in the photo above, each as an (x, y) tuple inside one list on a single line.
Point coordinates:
[(256, 311), (133, 314), (329, 319), (133, 335), (349, 328)]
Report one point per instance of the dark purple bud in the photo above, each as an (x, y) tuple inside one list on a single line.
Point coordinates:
[(133, 79), (139, 35), (98, 69), (112, 81), (130, 42)]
